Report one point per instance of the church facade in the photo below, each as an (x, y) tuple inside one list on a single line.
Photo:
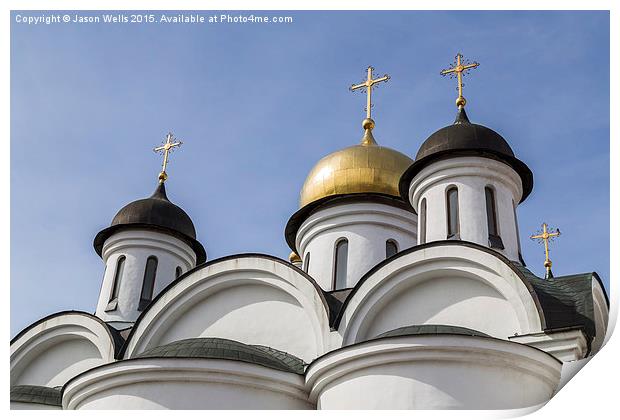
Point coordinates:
[(405, 289)]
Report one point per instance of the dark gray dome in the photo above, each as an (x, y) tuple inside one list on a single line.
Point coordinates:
[(432, 329), (463, 135), (155, 212), (221, 348), (466, 139)]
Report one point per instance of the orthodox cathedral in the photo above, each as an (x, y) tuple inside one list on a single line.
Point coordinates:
[(405, 289)]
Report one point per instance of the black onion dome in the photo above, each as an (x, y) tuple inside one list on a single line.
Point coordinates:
[(158, 213), (465, 139)]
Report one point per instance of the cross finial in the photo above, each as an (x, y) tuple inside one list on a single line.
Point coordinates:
[(459, 68), (165, 149), (545, 236), (368, 85)]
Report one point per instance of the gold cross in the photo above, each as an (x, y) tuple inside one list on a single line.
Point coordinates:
[(368, 85), (544, 237), (166, 149), (458, 69)]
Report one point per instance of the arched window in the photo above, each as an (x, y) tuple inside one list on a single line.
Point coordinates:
[(148, 284), (452, 209), (307, 262), (118, 275), (494, 240), (340, 264), (178, 272), (422, 222), (391, 248)]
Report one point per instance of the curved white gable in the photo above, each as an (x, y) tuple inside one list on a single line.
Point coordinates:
[(443, 283), (55, 349), (252, 299)]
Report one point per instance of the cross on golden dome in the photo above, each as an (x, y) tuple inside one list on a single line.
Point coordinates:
[(545, 236), (165, 149), (368, 85), (459, 68)]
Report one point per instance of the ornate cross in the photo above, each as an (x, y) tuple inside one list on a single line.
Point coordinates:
[(459, 68), (368, 85), (165, 149), (545, 237)]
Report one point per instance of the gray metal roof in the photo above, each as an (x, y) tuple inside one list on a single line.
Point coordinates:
[(430, 329), (566, 301), (221, 348), (294, 363), (36, 394)]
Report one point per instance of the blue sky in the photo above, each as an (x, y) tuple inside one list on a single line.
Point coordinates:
[(258, 105)]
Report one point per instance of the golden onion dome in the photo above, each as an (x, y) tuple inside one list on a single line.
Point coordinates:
[(294, 258), (363, 168)]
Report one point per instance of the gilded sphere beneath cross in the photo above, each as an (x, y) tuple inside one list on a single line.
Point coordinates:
[(368, 124), (162, 176), (460, 101)]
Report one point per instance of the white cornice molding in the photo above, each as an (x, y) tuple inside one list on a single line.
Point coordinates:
[(465, 350), (137, 238), (340, 216), (567, 345), (135, 372), (462, 167)]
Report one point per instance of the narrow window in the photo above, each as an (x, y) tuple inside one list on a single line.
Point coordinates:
[(307, 262), (118, 275), (178, 272), (340, 265), (391, 248), (453, 213), (494, 240), (148, 283), (422, 222), (514, 212), (491, 215)]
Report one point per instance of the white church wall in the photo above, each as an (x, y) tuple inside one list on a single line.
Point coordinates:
[(137, 245), (444, 284), (470, 175), (367, 226), (247, 312), (443, 297), (58, 363), (433, 372), (53, 351), (253, 300), (163, 383)]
